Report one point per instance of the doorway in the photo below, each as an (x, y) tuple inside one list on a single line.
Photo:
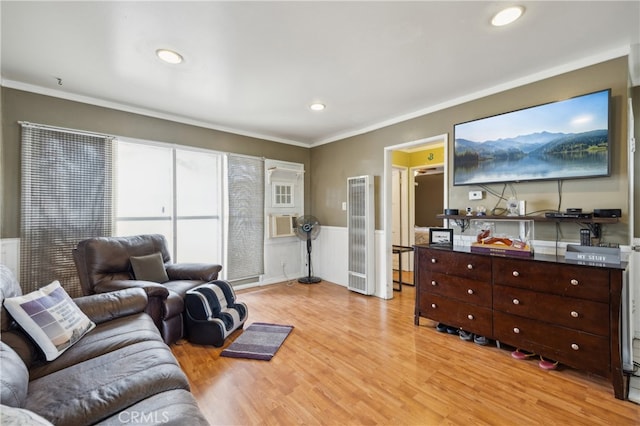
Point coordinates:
[(428, 197), (399, 209), (388, 204), (428, 202)]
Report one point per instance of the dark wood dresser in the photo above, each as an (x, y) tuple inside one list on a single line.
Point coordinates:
[(566, 312)]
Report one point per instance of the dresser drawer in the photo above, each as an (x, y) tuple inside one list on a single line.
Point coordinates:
[(578, 314), (467, 265), (582, 282), (452, 312), (460, 288), (573, 348)]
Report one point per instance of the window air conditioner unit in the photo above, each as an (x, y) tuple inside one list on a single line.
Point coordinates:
[(283, 226)]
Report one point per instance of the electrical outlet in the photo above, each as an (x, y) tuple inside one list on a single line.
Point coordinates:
[(476, 195)]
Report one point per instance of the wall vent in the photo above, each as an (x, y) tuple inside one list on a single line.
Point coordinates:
[(360, 226)]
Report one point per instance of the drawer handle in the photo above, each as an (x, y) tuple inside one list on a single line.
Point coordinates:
[(575, 347), (574, 314), (516, 302), (516, 330), (574, 282), (433, 260), (516, 273), (470, 316), (469, 266), (470, 291), (433, 305), (434, 283)]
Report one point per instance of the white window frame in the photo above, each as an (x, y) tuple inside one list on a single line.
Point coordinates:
[(173, 241), (277, 197)]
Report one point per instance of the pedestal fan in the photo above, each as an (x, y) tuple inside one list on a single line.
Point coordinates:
[(307, 229)]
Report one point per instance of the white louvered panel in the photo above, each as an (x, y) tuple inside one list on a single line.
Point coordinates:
[(360, 225)]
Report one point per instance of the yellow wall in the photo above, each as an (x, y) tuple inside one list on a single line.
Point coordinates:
[(426, 157), (400, 158)]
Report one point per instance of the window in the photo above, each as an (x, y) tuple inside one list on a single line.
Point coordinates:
[(78, 185), (199, 191), (143, 190), (174, 192), (282, 195)]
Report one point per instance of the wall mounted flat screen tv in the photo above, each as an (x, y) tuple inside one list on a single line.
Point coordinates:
[(567, 139)]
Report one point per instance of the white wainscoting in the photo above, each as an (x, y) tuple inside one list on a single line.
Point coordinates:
[(283, 260), (10, 254), (634, 290), (330, 258)]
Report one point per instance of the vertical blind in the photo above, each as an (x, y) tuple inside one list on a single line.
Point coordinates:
[(245, 232), (66, 197)]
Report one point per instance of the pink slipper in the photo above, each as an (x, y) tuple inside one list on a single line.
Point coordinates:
[(519, 354), (547, 365)]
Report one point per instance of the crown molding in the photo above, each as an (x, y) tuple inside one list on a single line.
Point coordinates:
[(551, 72), (46, 91), (531, 78)]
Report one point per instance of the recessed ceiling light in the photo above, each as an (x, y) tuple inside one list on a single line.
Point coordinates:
[(169, 56), (317, 106), (507, 16)]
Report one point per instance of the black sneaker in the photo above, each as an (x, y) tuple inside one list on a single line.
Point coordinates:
[(465, 335), (480, 340), (441, 328), (452, 330)]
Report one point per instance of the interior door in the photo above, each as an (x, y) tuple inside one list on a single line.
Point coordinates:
[(396, 210)]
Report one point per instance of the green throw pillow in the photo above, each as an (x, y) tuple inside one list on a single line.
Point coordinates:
[(149, 268)]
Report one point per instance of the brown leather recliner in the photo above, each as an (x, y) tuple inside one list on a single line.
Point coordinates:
[(104, 265)]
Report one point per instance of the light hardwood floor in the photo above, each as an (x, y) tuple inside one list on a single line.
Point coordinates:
[(359, 360)]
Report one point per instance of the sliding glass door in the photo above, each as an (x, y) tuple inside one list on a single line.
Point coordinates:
[(143, 190), (198, 206), (174, 192)]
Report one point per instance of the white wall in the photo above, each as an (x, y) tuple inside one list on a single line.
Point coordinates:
[(283, 259), (634, 290), (330, 257)]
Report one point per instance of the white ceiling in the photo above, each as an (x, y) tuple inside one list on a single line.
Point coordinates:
[(254, 67)]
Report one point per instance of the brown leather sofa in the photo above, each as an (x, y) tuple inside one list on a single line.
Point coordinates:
[(121, 372), (104, 265)]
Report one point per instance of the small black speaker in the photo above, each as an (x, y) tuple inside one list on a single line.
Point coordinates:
[(451, 212), (607, 213)]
